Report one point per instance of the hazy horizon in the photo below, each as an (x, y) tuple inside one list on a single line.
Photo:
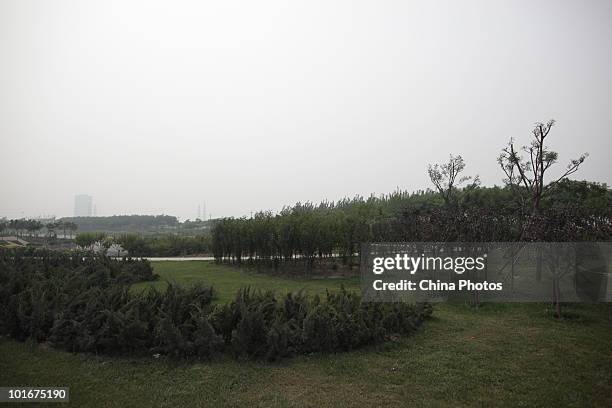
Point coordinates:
[(158, 107)]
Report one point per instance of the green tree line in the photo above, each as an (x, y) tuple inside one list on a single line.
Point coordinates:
[(530, 206), (147, 245), (304, 232), (124, 223), (33, 228), (164, 245)]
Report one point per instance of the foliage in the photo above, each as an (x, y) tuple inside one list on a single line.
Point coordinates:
[(303, 233), (33, 228), (164, 245), (446, 177), (123, 223), (83, 303), (257, 324), (87, 240), (526, 175)]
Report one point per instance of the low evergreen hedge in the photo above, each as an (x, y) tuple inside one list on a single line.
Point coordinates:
[(83, 303)]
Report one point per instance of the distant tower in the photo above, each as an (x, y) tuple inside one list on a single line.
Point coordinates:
[(199, 212), (203, 211), (82, 205), (95, 211)]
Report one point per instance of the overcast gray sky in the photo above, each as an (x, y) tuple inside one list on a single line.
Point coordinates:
[(154, 107)]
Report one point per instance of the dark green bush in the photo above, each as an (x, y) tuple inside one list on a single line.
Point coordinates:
[(319, 329), (133, 271), (84, 303)]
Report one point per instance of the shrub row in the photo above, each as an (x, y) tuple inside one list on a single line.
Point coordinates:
[(259, 324), (85, 304)]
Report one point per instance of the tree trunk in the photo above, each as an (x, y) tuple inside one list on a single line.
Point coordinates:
[(539, 264), (556, 297)]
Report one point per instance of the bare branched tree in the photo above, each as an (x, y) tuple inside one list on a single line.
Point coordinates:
[(526, 174), (446, 177)]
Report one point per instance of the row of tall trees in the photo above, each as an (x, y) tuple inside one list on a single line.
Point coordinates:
[(164, 245), (30, 227), (527, 208), (146, 245), (308, 231), (124, 223)]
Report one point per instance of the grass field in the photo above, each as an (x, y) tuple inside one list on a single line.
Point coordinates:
[(227, 280), (498, 355)]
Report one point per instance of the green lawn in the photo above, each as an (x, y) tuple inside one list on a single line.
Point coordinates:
[(227, 280), (498, 355)]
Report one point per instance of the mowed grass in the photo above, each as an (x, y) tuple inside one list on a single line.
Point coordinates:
[(497, 355), (226, 280)]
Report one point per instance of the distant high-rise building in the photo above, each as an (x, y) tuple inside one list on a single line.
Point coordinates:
[(82, 205)]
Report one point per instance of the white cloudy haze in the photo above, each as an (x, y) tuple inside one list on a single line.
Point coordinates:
[(154, 107)]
